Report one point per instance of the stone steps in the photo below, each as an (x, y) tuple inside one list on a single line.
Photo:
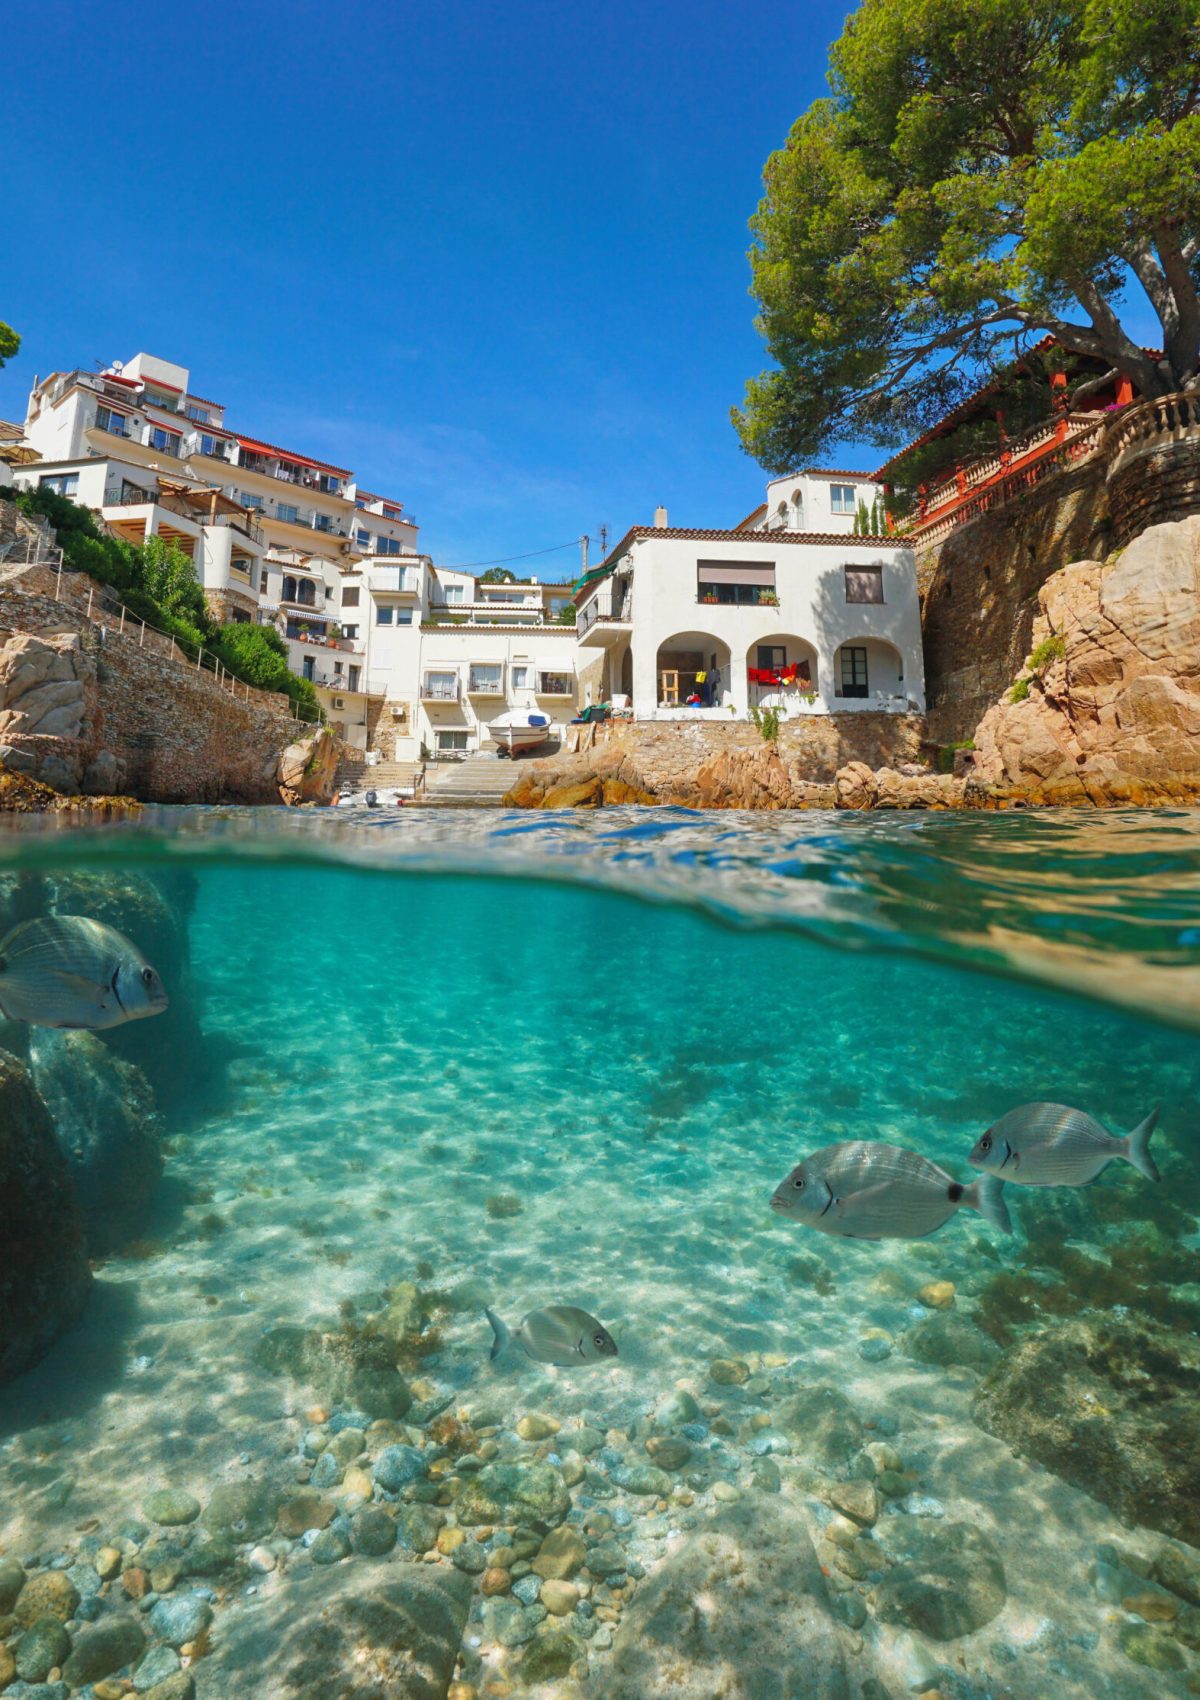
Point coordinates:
[(480, 781)]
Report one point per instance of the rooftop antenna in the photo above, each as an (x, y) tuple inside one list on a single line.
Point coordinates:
[(603, 542), (583, 543)]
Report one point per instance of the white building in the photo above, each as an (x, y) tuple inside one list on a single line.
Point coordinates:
[(406, 659), (816, 500), (706, 624)]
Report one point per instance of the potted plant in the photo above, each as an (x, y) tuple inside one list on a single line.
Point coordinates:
[(768, 599), (335, 631)]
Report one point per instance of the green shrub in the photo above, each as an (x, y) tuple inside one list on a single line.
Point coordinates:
[(767, 721), (1019, 691), (303, 698), (947, 753), (255, 653), (1050, 649)]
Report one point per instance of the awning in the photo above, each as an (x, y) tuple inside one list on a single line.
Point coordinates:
[(722, 572)]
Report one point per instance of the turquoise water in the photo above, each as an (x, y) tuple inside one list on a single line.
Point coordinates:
[(523, 1062)]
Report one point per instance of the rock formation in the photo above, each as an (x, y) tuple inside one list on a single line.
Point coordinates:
[(44, 1276), (1108, 709), (308, 768)]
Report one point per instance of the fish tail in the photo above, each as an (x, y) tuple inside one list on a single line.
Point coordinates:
[(501, 1334), (987, 1196), (1137, 1147)]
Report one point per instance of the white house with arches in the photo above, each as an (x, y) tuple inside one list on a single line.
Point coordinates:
[(708, 624)]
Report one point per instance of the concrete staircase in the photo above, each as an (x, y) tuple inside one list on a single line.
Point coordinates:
[(478, 782), (354, 776)]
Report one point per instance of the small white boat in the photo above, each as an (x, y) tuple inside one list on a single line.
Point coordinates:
[(520, 729)]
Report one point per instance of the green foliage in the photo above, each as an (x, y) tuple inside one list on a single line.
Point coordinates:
[(304, 699), (1050, 649), (498, 575), (767, 720), (947, 753), (255, 653), (10, 342), (978, 176), (566, 615), (1019, 692), (168, 577)]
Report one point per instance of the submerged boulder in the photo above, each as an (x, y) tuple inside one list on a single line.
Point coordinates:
[(1110, 1403), (947, 1579), (741, 1610), (824, 1425), (107, 1129), (44, 1275)]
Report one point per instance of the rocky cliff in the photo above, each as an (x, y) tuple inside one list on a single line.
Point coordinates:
[(1107, 709)]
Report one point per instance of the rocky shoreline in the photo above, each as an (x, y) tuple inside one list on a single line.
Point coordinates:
[(1104, 713)]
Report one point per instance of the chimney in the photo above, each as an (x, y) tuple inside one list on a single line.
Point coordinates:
[(660, 519)]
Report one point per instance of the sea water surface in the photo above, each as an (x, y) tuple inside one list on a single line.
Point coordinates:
[(421, 1064)]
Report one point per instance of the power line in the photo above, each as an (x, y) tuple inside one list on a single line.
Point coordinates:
[(503, 560)]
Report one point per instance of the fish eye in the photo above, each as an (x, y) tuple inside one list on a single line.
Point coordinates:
[(597, 1339), (798, 1183), (985, 1144)]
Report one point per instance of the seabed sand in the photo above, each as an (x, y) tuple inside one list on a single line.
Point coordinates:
[(639, 1081)]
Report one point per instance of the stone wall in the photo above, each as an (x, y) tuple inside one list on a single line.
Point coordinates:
[(979, 590), (1153, 488), (85, 706)]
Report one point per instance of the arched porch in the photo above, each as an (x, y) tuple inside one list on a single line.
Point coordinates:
[(692, 670), (868, 672), (781, 672)]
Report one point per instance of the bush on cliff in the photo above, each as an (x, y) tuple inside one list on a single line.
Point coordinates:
[(259, 655)]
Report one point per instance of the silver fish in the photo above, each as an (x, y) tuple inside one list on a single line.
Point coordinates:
[(1054, 1145), (70, 971), (865, 1190), (558, 1334)]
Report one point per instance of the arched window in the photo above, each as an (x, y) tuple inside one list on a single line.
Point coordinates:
[(797, 510), (307, 593), (289, 590), (781, 517)]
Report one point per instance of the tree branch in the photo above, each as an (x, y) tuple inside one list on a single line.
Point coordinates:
[(1137, 366), (1182, 344)]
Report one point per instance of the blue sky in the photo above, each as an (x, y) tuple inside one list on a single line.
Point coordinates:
[(491, 257)]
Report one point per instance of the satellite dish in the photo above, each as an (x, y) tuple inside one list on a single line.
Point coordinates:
[(117, 366)]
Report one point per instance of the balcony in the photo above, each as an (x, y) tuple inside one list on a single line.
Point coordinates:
[(395, 581), (555, 685), (307, 520), (486, 682), (606, 615), (488, 614), (441, 687)]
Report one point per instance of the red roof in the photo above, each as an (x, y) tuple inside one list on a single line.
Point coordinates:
[(117, 378), (205, 402), (769, 538), (828, 472), (290, 454), (755, 513)]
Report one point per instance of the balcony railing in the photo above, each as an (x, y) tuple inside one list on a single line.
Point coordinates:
[(607, 606), (486, 682), (441, 690), (396, 581), (128, 497)]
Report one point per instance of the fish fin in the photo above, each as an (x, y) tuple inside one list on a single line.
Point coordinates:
[(1137, 1147), (987, 1196), (501, 1334), (82, 986)]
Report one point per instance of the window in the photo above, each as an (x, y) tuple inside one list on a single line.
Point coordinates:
[(487, 679), (772, 657), (455, 593), (391, 513), (350, 593), (452, 741), (362, 538), (384, 616), (107, 420), (200, 414), (864, 584), (324, 523), (349, 631), (387, 546), (750, 584), (355, 672), (331, 486), (520, 678), (843, 498), (309, 665), (62, 483), (287, 511), (853, 680), (167, 441), (250, 500)]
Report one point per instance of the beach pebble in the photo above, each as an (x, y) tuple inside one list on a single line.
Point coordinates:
[(606, 1558), (936, 1295), (449, 1540), (182, 1618), (330, 1547), (509, 1623), (495, 1581), (535, 1426), (677, 1408), (8, 1666), (857, 1500), (171, 1507), (726, 1492), (770, 1442), (728, 1372), (559, 1598), (327, 1472), (527, 1589), (42, 1648), (181, 1686), (103, 1649), (560, 1555), (417, 1527), (643, 1479), (1152, 1607), (50, 1594), (246, 1509), (373, 1533), (108, 1562), (1150, 1647), (396, 1466), (346, 1445), (135, 1582), (669, 1452), (587, 1441), (262, 1560), (357, 1483), (471, 1557), (882, 1456), (12, 1580), (549, 1657), (875, 1348), (305, 1511)]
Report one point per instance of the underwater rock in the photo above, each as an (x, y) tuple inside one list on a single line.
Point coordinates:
[(49, 1594), (42, 1647), (356, 1633), (947, 1579), (245, 1509), (951, 1341), (44, 1276), (307, 770), (560, 1554), (347, 1366), (12, 1580), (549, 1656), (1112, 1404), (824, 1425), (396, 1466), (104, 1648), (107, 1128), (766, 1628), (417, 1527), (514, 1493), (181, 1618), (171, 1507), (373, 1532)]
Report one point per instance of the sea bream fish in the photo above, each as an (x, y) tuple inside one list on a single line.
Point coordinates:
[(863, 1189), (70, 971), (1054, 1145), (558, 1334)]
